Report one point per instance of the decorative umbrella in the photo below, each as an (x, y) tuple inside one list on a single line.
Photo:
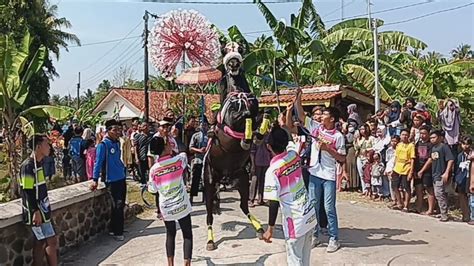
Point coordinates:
[(199, 76)]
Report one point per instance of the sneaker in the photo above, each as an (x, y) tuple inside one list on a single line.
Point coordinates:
[(333, 246), (120, 238), (111, 233), (444, 219), (316, 242), (471, 222)]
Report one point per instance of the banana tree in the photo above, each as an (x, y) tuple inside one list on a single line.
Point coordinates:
[(17, 67)]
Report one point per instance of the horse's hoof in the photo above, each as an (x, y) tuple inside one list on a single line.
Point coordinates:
[(211, 246), (246, 146), (260, 233)]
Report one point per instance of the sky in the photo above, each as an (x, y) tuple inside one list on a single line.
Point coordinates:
[(100, 21)]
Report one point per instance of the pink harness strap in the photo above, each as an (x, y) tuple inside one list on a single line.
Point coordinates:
[(234, 134)]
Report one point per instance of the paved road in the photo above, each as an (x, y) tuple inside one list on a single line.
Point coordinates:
[(368, 236)]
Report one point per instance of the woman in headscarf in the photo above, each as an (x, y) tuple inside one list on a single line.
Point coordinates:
[(351, 165), (362, 145), (395, 126), (381, 143), (450, 120), (353, 114)]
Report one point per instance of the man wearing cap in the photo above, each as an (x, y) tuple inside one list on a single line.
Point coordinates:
[(109, 166), (197, 146)]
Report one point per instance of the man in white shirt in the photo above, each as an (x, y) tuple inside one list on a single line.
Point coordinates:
[(327, 150)]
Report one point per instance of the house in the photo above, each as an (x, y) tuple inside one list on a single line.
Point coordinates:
[(339, 96), (125, 104)]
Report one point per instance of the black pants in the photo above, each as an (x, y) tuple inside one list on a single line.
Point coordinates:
[(186, 229), (143, 171), (118, 190), (196, 179)]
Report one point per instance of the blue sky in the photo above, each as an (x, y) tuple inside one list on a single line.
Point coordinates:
[(100, 20)]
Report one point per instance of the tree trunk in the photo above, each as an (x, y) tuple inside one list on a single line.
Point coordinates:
[(13, 164)]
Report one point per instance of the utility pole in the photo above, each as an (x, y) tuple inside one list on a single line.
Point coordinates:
[(342, 10), (78, 93), (145, 46), (373, 26)]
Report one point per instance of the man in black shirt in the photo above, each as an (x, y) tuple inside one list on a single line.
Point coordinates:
[(441, 161), (424, 180), (141, 143), (36, 206)]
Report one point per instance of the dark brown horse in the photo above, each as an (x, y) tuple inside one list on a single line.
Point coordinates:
[(228, 154)]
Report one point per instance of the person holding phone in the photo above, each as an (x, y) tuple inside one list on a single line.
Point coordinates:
[(35, 201)]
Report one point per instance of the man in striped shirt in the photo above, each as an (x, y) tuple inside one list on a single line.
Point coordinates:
[(141, 142)]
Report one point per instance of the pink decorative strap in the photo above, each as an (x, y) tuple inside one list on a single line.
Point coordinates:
[(234, 134)]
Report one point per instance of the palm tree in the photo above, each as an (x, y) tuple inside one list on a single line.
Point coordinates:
[(88, 96), (463, 51)]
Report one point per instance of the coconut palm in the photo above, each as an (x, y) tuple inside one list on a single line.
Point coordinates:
[(463, 51)]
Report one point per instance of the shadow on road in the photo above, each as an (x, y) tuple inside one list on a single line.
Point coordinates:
[(203, 212), (104, 245), (248, 232), (357, 238), (260, 261)]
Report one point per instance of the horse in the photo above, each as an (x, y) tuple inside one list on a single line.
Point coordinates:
[(228, 153)]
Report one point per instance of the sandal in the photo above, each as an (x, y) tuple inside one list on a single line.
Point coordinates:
[(405, 210), (251, 204)]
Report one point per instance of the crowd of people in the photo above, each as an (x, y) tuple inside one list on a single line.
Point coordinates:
[(305, 159)]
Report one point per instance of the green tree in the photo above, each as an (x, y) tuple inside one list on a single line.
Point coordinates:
[(40, 19), (16, 70), (463, 51)]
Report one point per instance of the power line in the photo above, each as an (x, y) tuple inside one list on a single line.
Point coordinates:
[(111, 70), (110, 50), (335, 10), (103, 42), (429, 14), (382, 11), (221, 2), (115, 61)]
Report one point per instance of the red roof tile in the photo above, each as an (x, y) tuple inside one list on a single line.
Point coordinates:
[(160, 100)]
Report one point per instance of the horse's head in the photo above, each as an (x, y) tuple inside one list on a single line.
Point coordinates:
[(237, 108), (233, 58)]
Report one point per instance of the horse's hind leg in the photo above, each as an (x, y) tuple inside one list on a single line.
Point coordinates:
[(244, 202), (209, 193)]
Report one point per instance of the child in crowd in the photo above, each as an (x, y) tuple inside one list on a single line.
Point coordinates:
[(90, 157), (166, 179), (462, 177), (390, 163), (377, 172), (284, 187), (367, 168)]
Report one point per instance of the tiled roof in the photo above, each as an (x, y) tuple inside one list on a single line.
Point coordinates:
[(310, 94), (159, 100)]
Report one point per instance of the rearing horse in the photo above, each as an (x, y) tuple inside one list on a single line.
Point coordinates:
[(227, 155)]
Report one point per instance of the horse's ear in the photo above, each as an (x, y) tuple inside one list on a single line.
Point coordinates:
[(223, 49)]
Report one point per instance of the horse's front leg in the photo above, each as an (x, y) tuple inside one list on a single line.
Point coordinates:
[(244, 202), (210, 193)]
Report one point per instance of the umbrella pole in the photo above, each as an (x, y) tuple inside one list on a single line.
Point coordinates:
[(183, 62)]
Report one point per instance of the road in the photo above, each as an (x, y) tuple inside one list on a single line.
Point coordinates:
[(368, 236)]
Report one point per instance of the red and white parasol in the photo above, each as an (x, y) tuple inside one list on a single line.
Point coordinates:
[(199, 76)]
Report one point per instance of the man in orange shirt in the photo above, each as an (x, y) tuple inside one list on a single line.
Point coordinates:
[(403, 172)]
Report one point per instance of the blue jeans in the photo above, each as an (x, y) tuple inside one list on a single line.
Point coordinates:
[(318, 187)]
